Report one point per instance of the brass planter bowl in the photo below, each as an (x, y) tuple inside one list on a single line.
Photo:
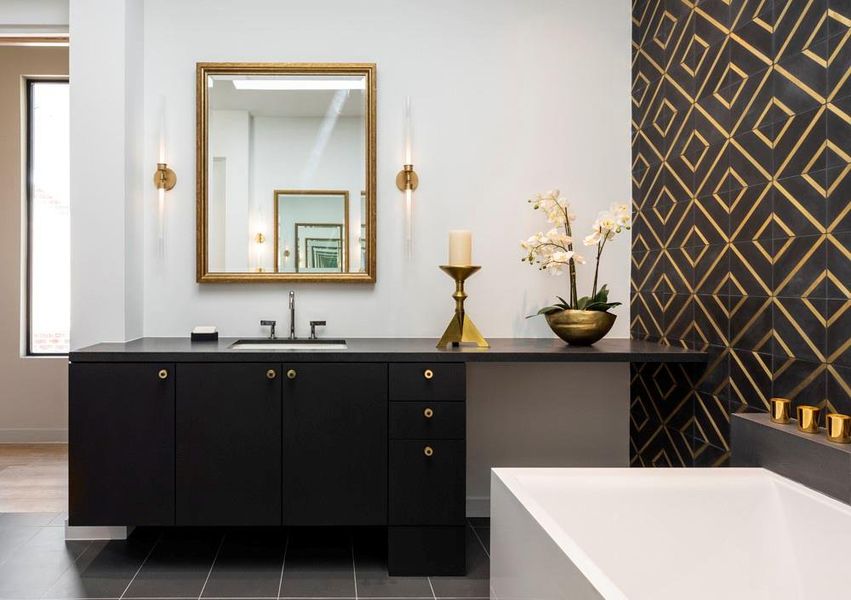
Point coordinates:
[(580, 327)]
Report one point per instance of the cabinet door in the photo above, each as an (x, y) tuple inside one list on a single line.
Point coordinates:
[(229, 444), (121, 444), (335, 444)]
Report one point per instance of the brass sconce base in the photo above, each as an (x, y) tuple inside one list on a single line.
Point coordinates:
[(461, 329), (164, 178), (407, 179)]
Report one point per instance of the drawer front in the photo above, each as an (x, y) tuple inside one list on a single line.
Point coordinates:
[(427, 482), (427, 420), (425, 382)]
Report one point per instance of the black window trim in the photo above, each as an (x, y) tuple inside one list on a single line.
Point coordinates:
[(30, 81)]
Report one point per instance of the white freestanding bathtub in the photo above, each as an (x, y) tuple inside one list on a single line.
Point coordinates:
[(665, 534)]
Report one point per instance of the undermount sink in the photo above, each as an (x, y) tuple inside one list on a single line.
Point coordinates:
[(286, 345)]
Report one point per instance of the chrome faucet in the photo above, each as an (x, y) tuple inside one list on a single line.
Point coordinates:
[(292, 315), (271, 324)]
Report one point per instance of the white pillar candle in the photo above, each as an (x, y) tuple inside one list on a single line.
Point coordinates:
[(460, 248)]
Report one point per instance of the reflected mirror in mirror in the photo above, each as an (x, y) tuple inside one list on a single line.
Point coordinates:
[(311, 231), (302, 139)]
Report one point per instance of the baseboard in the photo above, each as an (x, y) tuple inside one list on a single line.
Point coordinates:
[(33, 436), (478, 506)]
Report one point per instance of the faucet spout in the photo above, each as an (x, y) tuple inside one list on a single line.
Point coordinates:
[(292, 315)]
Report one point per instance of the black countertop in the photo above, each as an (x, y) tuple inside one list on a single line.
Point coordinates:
[(389, 350)]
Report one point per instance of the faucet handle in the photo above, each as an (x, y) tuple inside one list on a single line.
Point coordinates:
[(267, 323), (313, 325)]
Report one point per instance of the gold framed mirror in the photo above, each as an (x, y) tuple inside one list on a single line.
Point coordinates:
[(303, 134)]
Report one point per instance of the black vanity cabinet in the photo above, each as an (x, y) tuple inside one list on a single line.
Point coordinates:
[(121, 444), (427, 469), (228, 423), (247, 442), (335, 444)]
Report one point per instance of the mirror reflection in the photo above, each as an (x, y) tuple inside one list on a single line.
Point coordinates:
[(311, 228), (301, 140)]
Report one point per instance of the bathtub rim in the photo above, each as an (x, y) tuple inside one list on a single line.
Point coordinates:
[(510, 478)]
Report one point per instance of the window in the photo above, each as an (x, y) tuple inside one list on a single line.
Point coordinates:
[(48, 301)]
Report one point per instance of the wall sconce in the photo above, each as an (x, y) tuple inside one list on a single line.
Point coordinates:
[(407, 180), (164, 179)]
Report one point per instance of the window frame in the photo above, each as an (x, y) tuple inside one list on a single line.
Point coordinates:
[(29, 83)]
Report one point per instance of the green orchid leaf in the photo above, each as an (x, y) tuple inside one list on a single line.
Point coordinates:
[(582, 302), (546, 310)]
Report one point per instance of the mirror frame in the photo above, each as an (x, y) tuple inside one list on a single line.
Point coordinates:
[(206, 69)]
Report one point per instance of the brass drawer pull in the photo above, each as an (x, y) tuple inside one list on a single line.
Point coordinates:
[(428, 450), (271, 374), (428, 373), (163, 374), (291, 374), (428, 413)]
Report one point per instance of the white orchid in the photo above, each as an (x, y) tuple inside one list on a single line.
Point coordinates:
[(553, 251)]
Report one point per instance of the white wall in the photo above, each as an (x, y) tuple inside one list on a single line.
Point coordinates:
[(33, 16), (509, 97)]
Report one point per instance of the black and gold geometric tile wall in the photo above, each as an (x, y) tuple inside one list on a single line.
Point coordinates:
[(741, 179)]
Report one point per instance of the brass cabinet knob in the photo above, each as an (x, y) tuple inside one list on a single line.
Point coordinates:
[(291, 374), (428, 450), (428, 373), (428, 413), (163, 374), (271, 374)]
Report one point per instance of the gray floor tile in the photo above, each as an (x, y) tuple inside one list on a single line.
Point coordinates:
[(248, 565), (12, 538), (178, 566), (370, 547), (318, 564), (484, 534), (59, 520), (106, 568), (38, 563), (476, 584), (26, 519)]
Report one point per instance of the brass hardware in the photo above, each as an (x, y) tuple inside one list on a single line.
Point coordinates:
[(808, 418), (203, 71), (407, 179), (291, 374), (428, 373), (461, 328), (781, 410), (428, 450), (428, 413), (163, 374), (838, 428), (164, 178), (259, 238), (271, 374)]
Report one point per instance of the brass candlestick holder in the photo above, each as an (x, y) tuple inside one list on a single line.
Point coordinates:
[(461, 329)]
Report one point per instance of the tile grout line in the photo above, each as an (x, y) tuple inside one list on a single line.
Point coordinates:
[(433, 595), (210, 572), (71, 566), (147, 556), (354, 568), (481, 543), (283, 564)]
